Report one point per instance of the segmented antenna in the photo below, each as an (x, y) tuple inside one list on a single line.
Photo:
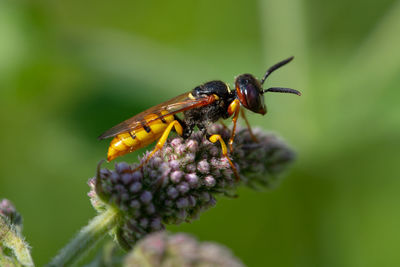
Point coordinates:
[(275, 67), (282, 90)]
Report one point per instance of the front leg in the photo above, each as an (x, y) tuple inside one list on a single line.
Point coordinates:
[(234, 109), (215, 138), (253, 137)]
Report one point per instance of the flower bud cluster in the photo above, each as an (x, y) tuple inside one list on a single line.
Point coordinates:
[(8, 210), (161, 249), (181, 180)]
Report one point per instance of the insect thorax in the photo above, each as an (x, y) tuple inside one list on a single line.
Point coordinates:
[(214, 111), (219, 88)]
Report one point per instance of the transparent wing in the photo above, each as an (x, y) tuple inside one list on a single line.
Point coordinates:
[(175, 105)]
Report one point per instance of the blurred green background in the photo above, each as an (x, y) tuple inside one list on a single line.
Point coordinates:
[(71, 69)]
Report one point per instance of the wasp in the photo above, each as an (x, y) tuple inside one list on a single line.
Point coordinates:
[(205, 104)]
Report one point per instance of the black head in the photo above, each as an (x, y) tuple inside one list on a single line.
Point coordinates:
[(250, 92)]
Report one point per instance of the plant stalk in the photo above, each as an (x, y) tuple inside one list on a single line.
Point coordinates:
[(10, 237), (86, 239)]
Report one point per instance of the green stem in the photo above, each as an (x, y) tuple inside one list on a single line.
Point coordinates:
[(86, 238), (10, 237)]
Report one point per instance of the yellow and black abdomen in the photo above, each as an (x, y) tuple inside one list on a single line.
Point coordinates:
[(151, 130)]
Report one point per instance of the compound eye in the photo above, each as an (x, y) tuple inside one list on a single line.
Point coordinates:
[(252, 95), (249, 93)]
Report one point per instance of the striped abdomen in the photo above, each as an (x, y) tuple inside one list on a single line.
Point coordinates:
[(130, 141)]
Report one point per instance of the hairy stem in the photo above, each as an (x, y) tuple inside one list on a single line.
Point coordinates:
[(11, 238), (86, 239)]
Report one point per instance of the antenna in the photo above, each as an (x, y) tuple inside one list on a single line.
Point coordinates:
[(282, 90), (275, 67)]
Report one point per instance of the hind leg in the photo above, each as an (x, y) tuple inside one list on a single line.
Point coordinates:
[(178, 128)]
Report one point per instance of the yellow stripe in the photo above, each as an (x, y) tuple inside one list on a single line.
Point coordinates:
[(124, 143), (127, 139), (118, 144), (142, 135)]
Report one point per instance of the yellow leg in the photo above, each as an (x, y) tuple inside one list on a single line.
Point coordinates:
[(253, 137), (178, 128), (216, 137), (234, 108)]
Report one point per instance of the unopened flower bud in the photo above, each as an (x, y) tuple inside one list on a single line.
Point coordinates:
[(181, 180), (161, 249)]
